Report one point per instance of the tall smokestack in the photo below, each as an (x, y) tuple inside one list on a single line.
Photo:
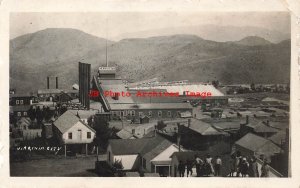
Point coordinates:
[(56, 82), (84, 84), (48, 83)]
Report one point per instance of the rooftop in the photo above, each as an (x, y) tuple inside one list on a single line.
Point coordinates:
[(258, 144), (20, 108), (135, 146), (278, 138), (66, 121), (148, 106), (204, 128), (182, 87), (261, 127)]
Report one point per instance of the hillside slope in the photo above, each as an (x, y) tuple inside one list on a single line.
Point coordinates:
[(56, 52)]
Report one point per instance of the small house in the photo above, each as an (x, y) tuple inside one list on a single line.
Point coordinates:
[(70, 130)]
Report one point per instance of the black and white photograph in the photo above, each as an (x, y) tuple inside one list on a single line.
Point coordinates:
[(150, 94)]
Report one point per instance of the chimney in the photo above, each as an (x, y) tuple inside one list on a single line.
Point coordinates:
[(56, 82), (48, 83), (247, 119), (189, 122), (133, 131)]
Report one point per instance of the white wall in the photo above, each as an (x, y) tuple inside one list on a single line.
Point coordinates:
[(75, 134), (129, 161)]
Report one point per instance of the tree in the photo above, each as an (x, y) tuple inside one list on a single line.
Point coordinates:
[(103, 132), (215, 83), (118, 168), (32, 113), (252, 86), (160, 125)]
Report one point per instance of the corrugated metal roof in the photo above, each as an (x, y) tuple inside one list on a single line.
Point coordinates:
[(151, 106)]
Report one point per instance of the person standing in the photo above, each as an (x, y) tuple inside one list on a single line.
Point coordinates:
[(181, 169), (218, 166), (238, 160), (198, 164), (189, 168), (232, 165), (244, 167), (210, 169), (265, 169), (253, 168)]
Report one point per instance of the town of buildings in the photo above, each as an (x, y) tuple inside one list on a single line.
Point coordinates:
[(149, 136)]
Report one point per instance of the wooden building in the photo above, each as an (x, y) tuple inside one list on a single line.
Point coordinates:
[(70, 130)]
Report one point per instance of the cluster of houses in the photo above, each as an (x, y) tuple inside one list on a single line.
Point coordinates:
[(153, 135)]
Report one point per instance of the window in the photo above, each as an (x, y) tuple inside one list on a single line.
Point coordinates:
[(133, 113), (17, 101), (69, 135), (21, 101), (169, 114), (19, 113), (159, 113), (25, 113), (150, 113), (89, 135)]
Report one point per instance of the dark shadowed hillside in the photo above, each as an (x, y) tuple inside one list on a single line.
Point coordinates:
[(56, 52)]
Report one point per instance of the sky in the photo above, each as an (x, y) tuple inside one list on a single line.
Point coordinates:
[(116, 26)]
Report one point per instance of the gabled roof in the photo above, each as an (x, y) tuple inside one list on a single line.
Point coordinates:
[(83, 114), (261, 127), (278, 138), (135, 146), (124, 134), (24, 121), (66, 121), (157, 150), (203, 128), (258, 144)]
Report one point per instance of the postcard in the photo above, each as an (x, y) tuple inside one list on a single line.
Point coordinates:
[(182, 93)]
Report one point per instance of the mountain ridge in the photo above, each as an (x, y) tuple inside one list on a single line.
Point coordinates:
[(176, 57)]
